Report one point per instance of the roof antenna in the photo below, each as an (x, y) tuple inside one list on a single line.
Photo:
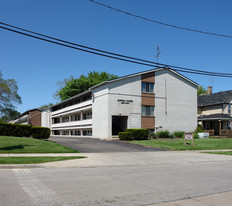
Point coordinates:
[(212, 81), (157, 54)]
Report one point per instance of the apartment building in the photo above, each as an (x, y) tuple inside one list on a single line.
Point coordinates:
[(35, 117), (158, 99)]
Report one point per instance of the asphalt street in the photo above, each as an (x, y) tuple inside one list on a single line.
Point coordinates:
[(94, 145), (153, 178)]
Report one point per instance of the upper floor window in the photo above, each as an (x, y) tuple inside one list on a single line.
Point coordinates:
[(229, 108), (147, 87), (148, 110)]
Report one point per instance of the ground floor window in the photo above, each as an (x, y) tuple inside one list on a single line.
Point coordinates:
[(76, 133), (56, 132), (65, 132), (87, 132)]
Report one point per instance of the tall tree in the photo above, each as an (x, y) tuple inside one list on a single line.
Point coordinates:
[(45, 105), (8, 95), (201, 91), (81, 84), (9, 114)]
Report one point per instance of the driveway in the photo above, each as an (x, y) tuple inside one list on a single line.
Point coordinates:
[(93, 145)]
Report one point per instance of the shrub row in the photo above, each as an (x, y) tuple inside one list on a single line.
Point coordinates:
[(143, 134), (134, 134), (20, 130)]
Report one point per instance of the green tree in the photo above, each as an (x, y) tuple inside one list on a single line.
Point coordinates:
[(8, 95), (45, 105), (9, 114), (81, 84), (201, 90)]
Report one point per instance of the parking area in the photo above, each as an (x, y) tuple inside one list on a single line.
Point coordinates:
[(94, 145)]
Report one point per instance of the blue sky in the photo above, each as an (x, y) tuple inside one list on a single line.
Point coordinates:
[(38, 65)]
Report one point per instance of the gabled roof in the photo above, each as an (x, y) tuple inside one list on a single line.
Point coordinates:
[(144, 72), (215, 117), (213, 99)]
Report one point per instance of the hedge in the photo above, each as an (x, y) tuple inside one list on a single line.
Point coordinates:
[(178, 134), (163, 134), (21, 130), (139, 134), (18, 130), (125, 136), (40, 132), (134, 134)]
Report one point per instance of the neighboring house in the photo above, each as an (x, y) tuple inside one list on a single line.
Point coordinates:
[(35, 117), (156, 99), (214, 112)]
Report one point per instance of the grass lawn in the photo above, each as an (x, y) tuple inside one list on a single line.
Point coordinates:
[(220, 152), (33, 160), (178, 144), (29, 145)]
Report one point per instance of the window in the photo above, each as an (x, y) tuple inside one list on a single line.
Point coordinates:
[(76, 117), (147, 87), (87, 115), (65, 132), (229, 108), (228, 125), (147, 110), (65, 119)]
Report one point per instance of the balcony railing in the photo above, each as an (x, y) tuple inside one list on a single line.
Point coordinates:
[(74, 107), (211, 132), (225, 132), (72, 124)]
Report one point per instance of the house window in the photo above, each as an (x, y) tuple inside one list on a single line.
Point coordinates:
[(229, 108), (229, 125), (147, 87), (148, 110)]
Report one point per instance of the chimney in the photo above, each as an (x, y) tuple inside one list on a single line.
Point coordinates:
[(209, 90)]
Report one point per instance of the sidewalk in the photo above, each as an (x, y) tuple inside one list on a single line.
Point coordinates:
[(222, 199), (123, 159)]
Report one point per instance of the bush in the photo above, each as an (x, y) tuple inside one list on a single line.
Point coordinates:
[(178, 134), (163, 134), (139, 134), (199, 128), (152, 135), (40, 132), (195, 135), (18, 130), (22, 130), (125, 136)]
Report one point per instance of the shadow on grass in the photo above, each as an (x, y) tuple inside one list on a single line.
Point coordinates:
[(14, 147)]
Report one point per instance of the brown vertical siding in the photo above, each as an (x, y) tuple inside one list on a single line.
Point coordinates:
[(35, 118), (148, 77), (148, 122), (148, 99)]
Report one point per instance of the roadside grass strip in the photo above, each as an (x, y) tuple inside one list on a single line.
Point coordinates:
[(34, 160), (220, 152), (30, 145), (178, 144)]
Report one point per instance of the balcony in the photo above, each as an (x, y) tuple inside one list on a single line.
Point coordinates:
[(72, 124), (74, 108)]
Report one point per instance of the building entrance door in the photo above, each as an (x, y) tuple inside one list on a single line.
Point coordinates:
[(119, 124)]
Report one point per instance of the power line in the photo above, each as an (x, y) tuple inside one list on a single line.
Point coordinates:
[(159, 22), (116, 56), (111, 53)]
